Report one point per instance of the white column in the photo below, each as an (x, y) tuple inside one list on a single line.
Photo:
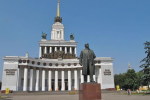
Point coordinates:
[(49, 80), (55, 48), (69, 80), (94, 77), (99, 76), (75, 80), (56, 80), (81, 76), (45, 50), (43, 80), (18, 78), (31, 79), (37, 80), (55, 34), (40, 52), (62, 80), (62, 34), (25, 82), (50, 49), (71, 50), (88, 78), (60, 48), (75, 51), (96, 74), (65, 50)]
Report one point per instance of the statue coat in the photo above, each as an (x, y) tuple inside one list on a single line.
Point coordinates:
[(87, 57)]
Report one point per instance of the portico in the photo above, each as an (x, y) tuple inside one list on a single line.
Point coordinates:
[(63, 79)]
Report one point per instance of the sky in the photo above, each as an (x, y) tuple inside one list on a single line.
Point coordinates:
[(113, 28)]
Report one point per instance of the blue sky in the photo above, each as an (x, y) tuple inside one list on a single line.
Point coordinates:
[(113, 28)]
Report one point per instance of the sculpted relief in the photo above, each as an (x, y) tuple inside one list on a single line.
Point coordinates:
[(59, 54)]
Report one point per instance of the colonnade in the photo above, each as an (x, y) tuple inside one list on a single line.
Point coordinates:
[(29, 86), (50, 49), (31, 82)]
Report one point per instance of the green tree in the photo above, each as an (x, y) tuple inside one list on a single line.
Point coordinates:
[(131, 80), (139, 78), (146, 65), (119, 80)]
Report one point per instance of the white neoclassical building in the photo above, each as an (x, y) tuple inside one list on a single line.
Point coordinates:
[(56, 69)]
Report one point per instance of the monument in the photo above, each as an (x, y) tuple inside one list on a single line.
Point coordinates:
[(57, 67), (87, 57), (91, 90)]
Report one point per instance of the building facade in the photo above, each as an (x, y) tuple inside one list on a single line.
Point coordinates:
[(56, 69)]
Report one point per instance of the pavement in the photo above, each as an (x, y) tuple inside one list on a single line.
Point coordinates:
[(105, 96)]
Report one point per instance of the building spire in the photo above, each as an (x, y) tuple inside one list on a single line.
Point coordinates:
[(58, 8), (129, 66), (58, 18)]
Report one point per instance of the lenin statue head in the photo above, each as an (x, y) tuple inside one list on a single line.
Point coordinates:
[(87, 46)]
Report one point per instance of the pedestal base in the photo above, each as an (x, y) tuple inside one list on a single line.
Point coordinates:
[(90, 91)]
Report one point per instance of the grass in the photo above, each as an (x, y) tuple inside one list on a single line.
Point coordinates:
[(135, 93), (141, 93)]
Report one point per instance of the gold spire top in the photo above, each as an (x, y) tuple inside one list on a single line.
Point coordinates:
[(58, 9), (58, 18)]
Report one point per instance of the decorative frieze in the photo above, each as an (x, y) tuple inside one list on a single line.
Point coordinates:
[(59, 54)]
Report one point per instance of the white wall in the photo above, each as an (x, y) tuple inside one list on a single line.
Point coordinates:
[(107, 80), (10, 81)]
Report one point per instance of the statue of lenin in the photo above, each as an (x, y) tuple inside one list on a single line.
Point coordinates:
[(86, 60)]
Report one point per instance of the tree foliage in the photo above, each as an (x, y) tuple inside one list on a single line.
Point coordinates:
[(119, 80), (128, 80), (140, 81), (131, 79), (146, 64)]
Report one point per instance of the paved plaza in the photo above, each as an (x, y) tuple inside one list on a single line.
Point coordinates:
[(105, 96)]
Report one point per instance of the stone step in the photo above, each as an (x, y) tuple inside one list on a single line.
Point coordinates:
[(55, 92), (43, 93)]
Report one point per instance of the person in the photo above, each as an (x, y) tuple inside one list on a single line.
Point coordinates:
[(86, 60), (129, 91)]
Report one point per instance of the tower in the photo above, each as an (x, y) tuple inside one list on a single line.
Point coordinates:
[(57, 46), (57, 32)]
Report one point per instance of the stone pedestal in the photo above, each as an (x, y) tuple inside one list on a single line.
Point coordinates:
[(90, 91)]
